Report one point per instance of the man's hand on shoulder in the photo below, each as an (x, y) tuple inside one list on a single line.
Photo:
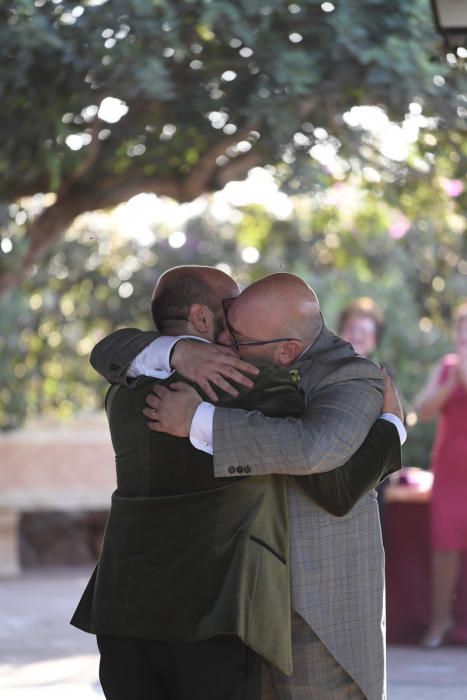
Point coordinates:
[(171, 410), (208, 364)]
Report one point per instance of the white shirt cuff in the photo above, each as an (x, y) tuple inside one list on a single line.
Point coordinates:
[(395, 420), (154, 360), (201, 427)]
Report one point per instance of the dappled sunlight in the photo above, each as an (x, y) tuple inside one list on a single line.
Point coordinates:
[(319, 138), (356, 233), (141, 215), (112, 109), (177, 239), (259, 188), (250, 255)]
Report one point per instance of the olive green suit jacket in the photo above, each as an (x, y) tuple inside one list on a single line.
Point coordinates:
[(187, 556)]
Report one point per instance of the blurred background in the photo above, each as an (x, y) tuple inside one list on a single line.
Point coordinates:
[(325, 139)]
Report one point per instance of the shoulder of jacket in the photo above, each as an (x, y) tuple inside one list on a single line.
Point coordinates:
[(337, 362)]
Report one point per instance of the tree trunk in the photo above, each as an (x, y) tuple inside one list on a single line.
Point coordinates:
[(48, 228), (81, 195)]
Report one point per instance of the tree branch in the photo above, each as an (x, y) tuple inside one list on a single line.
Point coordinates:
[(91, 156), (77, 196), (202, 173), (237, 168), (53, 221)]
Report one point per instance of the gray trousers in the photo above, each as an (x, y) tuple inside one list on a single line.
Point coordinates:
[(316, 673)]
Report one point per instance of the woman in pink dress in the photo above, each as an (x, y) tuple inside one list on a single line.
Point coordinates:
[(446, 395)]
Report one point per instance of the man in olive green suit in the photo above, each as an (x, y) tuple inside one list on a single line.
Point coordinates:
[(193, 579), (165, 488)]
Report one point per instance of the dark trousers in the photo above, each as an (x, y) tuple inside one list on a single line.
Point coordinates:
[(221, 668)]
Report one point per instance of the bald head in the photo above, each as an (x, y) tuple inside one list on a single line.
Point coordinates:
[(280, 313), (286, 304), (179, 288)]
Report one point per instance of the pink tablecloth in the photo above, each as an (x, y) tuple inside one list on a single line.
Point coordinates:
[(407, 536)]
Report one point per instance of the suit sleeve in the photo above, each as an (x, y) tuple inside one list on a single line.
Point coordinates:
[(337, 491), (273, 394), (335, 423), (112, 356)]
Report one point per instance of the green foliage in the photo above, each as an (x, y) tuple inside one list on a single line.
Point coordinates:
[(167, 60), (199, 79), (340, 240), (49, 326)]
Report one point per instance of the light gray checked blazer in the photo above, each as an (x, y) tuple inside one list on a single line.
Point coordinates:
[(337, 563)]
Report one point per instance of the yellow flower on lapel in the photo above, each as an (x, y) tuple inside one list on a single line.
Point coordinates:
[(295, 375)]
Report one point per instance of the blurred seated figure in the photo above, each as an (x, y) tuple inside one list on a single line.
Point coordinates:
[(445, 396), (361, 323)]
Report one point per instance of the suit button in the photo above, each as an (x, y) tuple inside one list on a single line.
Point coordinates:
[(240, 470), (247, 469), (231, 470)]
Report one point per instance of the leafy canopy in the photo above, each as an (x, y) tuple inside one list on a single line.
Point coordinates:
[(191, 74), (102, 100)]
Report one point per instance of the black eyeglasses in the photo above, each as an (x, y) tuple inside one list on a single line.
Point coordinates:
[(242, 343)]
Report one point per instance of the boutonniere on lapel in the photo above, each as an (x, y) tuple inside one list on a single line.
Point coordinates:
[(295, 375)]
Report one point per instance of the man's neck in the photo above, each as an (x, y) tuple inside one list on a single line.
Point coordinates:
[(181, 328), (309, 345)]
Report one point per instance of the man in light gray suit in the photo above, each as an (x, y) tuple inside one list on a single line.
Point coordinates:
[(337, 564)]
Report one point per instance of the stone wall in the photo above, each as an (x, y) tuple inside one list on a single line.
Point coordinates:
[(56, 480), (59, 538)]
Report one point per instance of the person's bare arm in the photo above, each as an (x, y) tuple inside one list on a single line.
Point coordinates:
[(433, 395)]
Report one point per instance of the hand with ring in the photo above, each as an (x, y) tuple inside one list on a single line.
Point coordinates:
[(171, 410)]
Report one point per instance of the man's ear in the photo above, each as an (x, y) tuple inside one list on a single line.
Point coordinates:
[(288, 352), (200, 317)]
